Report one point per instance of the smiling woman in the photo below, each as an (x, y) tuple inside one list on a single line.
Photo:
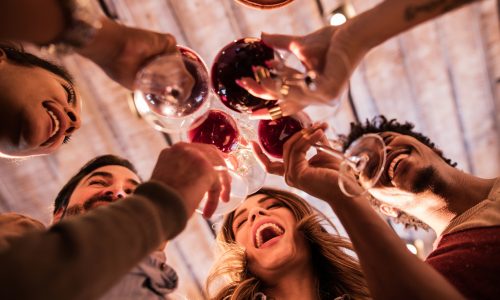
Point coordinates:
[(40, 109), (275, 245)]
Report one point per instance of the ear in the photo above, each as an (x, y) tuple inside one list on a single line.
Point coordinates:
[(57, 215), (388, 210)]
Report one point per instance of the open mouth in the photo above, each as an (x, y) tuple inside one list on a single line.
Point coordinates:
[(56, 125), (267, 232), (394, 161)]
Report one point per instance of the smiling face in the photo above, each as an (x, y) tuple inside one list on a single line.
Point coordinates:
[(267, 229), (411, 168), (39, 110), (101, 187)]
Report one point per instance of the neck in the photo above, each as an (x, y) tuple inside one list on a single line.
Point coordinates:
[(297, 284), (457, 193)]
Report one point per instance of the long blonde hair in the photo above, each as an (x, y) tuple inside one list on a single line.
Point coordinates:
[(337, 272)]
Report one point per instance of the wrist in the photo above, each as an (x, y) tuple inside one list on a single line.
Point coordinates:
[(106, 43)]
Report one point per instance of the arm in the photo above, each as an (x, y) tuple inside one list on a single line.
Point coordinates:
[(333, 53), (391, 271), (83, 256), (118, 50)]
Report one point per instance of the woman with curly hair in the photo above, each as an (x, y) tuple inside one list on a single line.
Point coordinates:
[(276, 246)]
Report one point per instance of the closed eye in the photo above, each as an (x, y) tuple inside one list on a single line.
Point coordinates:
[(241, 223), (98, 182), (275, 205), (70, 92)]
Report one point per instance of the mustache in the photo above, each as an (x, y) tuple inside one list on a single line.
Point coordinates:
[(87, 205)]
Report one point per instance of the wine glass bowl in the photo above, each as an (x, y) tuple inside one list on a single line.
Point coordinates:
[(217, 128), (160, 86), (238, 193), (273, 134), (234, 61), (362, 163), (264, 4)]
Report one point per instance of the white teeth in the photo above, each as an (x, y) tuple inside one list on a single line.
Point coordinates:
[(393, 164), (56, 122), (258, 236)]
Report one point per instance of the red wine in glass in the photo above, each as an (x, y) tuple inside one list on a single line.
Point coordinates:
[(233, 62), (274, 133), (264, 4), (219, 129), (160, 84)]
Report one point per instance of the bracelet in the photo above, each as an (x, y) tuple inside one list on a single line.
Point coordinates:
[(82, 19)]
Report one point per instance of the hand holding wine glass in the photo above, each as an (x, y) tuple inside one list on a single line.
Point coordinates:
[(329, 56), (194, 170), (356, 169)]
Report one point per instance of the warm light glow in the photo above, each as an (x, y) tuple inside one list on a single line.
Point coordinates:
[(412, 248), (140, 103), (337, 19)]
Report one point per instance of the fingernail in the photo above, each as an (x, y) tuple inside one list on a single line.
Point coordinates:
[(240, 82), (260, 114)]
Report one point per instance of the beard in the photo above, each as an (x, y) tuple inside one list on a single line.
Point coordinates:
[(427, 179), (79, 209)]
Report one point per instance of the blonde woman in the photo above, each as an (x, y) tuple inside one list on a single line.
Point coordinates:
[(276, 246)]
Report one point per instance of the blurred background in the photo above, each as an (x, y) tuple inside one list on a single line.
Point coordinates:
[(444, 76)]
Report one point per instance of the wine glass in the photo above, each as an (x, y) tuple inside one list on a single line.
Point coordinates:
[(264, 4), (160, 87), (239, 192), (236, 60), (220, 129), (362, 163), (272, 134)]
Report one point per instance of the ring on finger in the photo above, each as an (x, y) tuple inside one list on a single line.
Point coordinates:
[(275, 112)]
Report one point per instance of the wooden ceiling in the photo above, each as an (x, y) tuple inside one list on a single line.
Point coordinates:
[(443, 76)]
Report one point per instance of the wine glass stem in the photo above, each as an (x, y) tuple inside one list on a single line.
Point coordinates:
[(352, 161)]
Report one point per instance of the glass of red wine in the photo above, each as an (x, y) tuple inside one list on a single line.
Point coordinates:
[(273, 134), (362, 163), (264, 4), (220, 129), (161, 96), (234, 61)]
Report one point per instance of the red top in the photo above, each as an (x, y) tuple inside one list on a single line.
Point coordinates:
[(470, 260)]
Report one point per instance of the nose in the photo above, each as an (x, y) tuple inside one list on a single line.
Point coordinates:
[(116, 192), (74, 120), (256, 212)]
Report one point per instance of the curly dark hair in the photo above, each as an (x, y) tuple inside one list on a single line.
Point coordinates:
[(381, 124)]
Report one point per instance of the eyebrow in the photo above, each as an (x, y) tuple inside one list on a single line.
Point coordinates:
[(109, 176), (244, 210)]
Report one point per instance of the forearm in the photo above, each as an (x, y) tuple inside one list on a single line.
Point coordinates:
[(391, 271), (36, 21), (393, 17), (82, 257)]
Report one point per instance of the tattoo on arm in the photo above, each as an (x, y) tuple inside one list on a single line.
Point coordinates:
[(442, 6)]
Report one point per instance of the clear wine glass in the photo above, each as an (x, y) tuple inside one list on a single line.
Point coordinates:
[(239, 192), (264, 4), (160, 94), (362, 163)]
